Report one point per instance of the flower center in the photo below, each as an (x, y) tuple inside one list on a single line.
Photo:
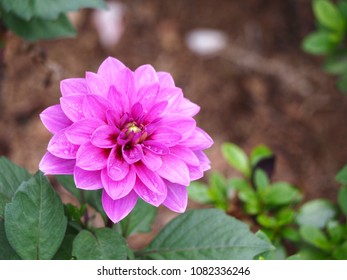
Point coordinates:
[(133, 133), (132, 127)]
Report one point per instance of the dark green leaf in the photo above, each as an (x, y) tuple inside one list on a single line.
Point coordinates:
[(342, 83), (316, 213), (328, 15), (6, 251), (199, 192), (342, 6), (290, 234), (318, 43), (281, 193), (261, 179), (315, 237), (277, 254), (103, 244), (218, 191), (237, 158), (341, 176), (340, 253), (34, 221), (205, 234), (336, 65), (336, 231), (47, 9), (140, 219), (260, 152), (11, 176), (65, 250), (312, 253), (37, 28), (342, 199)]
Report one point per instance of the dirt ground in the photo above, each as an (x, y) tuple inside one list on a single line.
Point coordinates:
[(261, 89)]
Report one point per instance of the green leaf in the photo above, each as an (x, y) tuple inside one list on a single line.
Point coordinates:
[(199, 192), (205, 234), (65, 250), (341, 176), (34, 221), (316, 213), (336, 231), (237, 158), (336, 65), (218, 191), (11, 176), (277, 254), (328, 15), (290, 234), (47, 9), (318, 43), (37, 28), (140, 219), (266, 221), (258, 153), (340, 253), (342, 6), (261, 179), (103, 244), (6, 252), (342, 83), (342, 199), (315, 237), (285, 216), (281, 193)]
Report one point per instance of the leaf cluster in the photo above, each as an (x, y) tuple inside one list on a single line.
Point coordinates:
[(329, 38), (35, 224), (42, 19)]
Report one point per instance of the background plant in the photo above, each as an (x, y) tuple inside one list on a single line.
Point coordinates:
[(35, 224), (329, 38), (42, 19)]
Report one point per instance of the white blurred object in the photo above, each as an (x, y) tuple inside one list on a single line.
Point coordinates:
[(205, 41), (110, 23)]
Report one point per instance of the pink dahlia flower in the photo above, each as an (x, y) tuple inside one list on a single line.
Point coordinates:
[(131, 134)]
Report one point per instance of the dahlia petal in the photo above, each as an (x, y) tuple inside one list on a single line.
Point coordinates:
[(60, 146), (150, 179), (177, 197), (156, 147), (87, 180), (109, 69), (91, 158), (54, 118), (118, 101), (156, 111), (118, 189), (185, 154), (147, 96), (105, 136), (165, 80), (117, 167), (81, 131), (195, 172), (95, 107), (118, 209), (72, 106), (145, 75), (187, 108), (173, 96), (148, 195), (73, 86), (97, 84), (126, 85), (174, 170), (198, 140), (136, 110), (184, 125), (113, 118), (151, 160), (205, 163), (133, 154), (51, 164), (166, 135)]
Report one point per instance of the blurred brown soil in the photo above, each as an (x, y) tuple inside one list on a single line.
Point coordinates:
[(262, 89)]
